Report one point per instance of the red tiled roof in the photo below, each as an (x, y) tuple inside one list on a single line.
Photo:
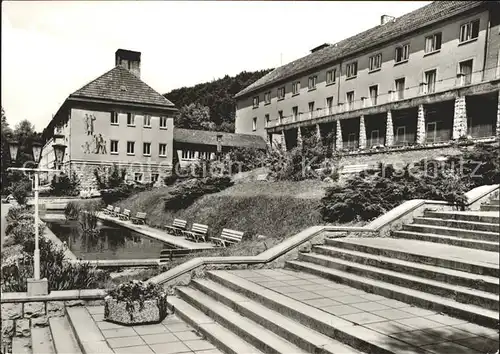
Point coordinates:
[(121, 85), (434, 12), (205, 137)]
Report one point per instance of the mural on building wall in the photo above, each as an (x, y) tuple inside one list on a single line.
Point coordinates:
[(95, 143)]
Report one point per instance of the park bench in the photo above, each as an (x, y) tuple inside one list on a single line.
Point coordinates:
[(139, 218), (177, 227), (198, 233), (227, 238), (108, 210), (116, 211), (168, 255), (125, 215)]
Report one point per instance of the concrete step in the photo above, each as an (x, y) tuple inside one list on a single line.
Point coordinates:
[(220, 336), (352, 334), (41, 341), (435, 254), (445, 275), (448, 240), (463, 225), (63, 336), (87, 334), (474, 216), (471, 313), (460, 294), (21, 345), (490, 207), (250, 331), (449, 231), (294, 332)]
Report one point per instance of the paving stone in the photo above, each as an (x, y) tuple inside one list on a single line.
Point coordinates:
[(370, 306), (159, 338), (304, 295), (449, 348), (332, 293), (178, 327), (313, 287), (353, 291), (95, 309), (363, 318), (480, 331), (392, 314), (373, 297), (198, 344), (170, 348), (209, 351), (350, 299), (450, 333), (118, 332), (417, 338), (393, 303), (420, 323), (299, 282), (341, 310), (445, 320), (324, 302), (483, 345), (125, 342), (288, 289), (187, 335), (284, 277), (141, 349), (99, 317), (418, 311), (389, 327), (150, 329), (107, 325), (272, 284)]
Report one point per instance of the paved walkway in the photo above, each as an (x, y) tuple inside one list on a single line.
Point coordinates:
[(160, 235), (419, 328), (172, 336)]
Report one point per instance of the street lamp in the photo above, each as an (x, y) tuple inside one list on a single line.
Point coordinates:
[(36, 286)]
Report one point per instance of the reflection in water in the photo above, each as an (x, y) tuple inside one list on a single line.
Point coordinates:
[(110, 242)]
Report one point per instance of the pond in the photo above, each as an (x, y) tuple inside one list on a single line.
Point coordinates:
[(112, 241)]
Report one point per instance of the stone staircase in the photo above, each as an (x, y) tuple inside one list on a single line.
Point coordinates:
[(443, 269)]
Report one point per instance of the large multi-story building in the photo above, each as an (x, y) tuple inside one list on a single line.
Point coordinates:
[(429, 76), (115, 119)]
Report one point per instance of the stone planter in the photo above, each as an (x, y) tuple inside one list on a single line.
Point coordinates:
[(152, 311)]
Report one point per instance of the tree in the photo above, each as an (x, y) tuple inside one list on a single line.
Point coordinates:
[(194, 116), (6, 135)]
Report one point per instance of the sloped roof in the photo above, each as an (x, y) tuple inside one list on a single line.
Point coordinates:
[(434, 12), (191, 136), (121, 85)]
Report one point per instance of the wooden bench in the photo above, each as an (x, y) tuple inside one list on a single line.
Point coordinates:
[(108, 210), (139, 218), (177, 227), (168, 255), (227, 238), (198, 233), (125, 215)]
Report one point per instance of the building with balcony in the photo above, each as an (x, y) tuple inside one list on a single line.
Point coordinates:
[(425, 78), (116, 119)]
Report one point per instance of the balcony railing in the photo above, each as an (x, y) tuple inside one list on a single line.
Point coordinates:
[(303, 116)]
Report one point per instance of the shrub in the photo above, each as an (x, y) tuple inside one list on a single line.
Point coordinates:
[(21, 191), (110, 179), (64, 184), (245, 158), (72, 211)]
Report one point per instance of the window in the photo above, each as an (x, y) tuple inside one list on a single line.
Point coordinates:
[(330, 76), (466, 72), (329, 104), (375, 62), (267, 119), (280, 116), (350, 99), (469, 31), (351, 140), (312, 82), (147, 121), (375, 137), (352, 70), (162, 149), (373, 94), (433, 43), (254, 123), (267, 97), (146, 149), (113, 148), (154, 177), (430, 81), (311, 109), (204, 155), (130, 148), (114, 118), (296, 88), (400, 135), (281, 93), (130, 119), (295, 113), (431, 133), (163, 122), (400, 88), (138, 177), (402, 53), (188, 154), (256, 102)]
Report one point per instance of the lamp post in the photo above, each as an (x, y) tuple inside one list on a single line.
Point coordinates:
[(36, 286)]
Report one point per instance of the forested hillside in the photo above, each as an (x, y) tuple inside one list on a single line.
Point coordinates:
[(211, 105)]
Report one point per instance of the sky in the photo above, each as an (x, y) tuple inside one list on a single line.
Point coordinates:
[(52, 48)]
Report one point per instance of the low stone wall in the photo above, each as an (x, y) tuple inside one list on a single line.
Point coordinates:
[(20, 312)]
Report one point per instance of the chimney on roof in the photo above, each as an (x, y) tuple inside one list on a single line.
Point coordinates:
[(324, 45), (130, 60), (386, 18)]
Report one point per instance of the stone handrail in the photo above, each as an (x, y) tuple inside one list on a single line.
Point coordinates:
[(298, 239)]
